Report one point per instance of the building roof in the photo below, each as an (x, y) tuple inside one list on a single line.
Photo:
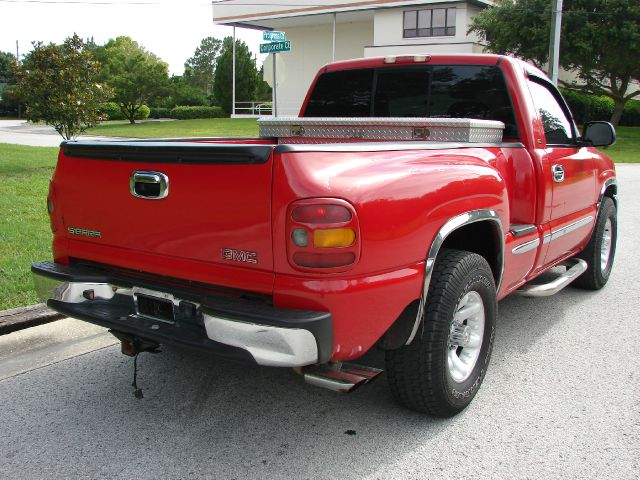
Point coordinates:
[(229, 12)]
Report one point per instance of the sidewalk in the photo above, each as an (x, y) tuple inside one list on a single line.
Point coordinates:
[(22, 133)]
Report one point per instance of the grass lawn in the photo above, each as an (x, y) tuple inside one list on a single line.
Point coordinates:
[(210, 127), (25, 235), (627, 148)]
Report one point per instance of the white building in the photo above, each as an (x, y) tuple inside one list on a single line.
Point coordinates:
[(322, 31)]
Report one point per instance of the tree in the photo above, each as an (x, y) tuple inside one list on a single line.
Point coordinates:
[(263, 90), (59, 85), (199, 70), (135, 75), (8, 99), (600, 41), (7, 67), (246, 74)]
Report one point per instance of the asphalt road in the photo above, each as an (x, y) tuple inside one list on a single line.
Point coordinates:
[(561, 400)]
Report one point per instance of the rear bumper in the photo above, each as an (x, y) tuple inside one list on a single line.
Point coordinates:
[(232, 327)]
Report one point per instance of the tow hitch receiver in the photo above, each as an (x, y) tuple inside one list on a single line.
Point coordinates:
[(131, 346), (340, 377)]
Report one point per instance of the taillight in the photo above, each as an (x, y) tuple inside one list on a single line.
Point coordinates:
[(323, 235)]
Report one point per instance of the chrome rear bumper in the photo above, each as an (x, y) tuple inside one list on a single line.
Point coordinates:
[(233, 327)]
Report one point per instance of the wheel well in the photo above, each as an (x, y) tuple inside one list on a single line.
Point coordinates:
[(612, 193), (482, 238)]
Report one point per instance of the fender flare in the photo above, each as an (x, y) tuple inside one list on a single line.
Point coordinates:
[(473, 216)]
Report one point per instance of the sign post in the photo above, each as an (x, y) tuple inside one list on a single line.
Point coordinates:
[(277, 43)]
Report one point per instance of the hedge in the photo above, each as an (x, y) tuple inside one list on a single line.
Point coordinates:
[(111, 111), (160, 112), (587, 108), (186, 113)]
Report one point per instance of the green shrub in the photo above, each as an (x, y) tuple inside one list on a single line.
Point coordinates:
[(186, 112), (143, 113), (160, 112), (587, 108), (631, 114), (111, 111)]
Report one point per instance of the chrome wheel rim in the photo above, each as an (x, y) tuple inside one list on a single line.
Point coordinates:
[(605, 246), (465, 336)]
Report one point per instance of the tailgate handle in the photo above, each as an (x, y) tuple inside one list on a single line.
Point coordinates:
[(149, 185)]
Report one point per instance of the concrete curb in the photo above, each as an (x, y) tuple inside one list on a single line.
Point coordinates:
[(24, 317)]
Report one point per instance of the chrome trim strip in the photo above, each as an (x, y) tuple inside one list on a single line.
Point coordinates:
[(526, 247), (446, 230), (569, 228), (386, 146)]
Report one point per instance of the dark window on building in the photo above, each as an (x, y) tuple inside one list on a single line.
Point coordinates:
[(432, 22), (444, 91)]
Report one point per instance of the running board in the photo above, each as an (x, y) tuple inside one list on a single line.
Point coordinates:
[(575, 268), (345, 378)]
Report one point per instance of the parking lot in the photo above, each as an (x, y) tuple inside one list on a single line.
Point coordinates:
[(561, 400)]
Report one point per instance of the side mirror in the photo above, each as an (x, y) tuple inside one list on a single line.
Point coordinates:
[(599, 134)]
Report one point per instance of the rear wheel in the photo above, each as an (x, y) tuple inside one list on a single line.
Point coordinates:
[(442, 369), (601, 249)]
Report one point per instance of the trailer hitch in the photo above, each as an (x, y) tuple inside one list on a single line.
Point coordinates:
[(133, 346)]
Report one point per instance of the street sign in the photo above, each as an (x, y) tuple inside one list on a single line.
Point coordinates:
[(275, 47), (273, 36)]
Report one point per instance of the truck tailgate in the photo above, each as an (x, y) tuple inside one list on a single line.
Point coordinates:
[(215, 207)]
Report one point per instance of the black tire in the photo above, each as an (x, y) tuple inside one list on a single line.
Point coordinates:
[(418, 374), (596, 277)]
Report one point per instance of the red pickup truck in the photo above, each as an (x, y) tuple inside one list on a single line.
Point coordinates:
[(410, 195)]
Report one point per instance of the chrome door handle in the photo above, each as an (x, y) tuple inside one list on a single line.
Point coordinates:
[(558, 173), (149, 185)]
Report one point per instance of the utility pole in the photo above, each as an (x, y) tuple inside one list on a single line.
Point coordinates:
[(18, 64), (554, 41)]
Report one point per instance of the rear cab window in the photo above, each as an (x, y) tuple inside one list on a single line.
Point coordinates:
[(440, 91)]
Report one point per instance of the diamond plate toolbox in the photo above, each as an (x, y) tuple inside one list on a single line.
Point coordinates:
[(337, 130)]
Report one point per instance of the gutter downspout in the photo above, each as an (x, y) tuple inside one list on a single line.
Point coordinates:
[(333, 49)]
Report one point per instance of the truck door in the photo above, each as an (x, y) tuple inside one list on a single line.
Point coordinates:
[(569, 169)]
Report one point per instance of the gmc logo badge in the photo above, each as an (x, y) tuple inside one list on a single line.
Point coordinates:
[(234, 255)]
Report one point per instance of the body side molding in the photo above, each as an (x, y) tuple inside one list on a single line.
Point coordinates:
[(447, 229)]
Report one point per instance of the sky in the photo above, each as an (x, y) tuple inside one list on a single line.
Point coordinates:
[(170, 29)]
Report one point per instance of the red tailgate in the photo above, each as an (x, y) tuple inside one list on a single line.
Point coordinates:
[(215, 217)]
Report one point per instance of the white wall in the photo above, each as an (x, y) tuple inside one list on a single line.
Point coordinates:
[(388, 39), (310, 50)]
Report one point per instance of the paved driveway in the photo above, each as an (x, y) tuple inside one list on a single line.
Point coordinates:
[(561, 400)]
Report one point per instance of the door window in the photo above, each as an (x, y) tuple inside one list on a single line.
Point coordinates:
[(558, 129)]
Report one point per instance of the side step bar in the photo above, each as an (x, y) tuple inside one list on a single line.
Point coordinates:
[(342, 378), (575, 268)]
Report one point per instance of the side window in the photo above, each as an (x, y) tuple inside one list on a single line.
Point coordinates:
[(557, 126)]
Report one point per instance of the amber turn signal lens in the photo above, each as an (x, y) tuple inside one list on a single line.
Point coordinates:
[(334, 237)]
